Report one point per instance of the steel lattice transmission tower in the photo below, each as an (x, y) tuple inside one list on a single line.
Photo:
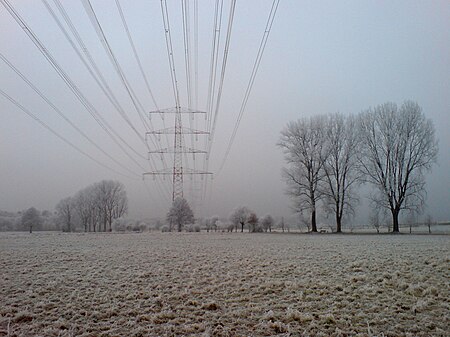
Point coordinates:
[(178, 170)]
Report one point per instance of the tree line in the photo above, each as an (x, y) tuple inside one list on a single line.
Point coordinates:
[(328, 157), (94, 208)]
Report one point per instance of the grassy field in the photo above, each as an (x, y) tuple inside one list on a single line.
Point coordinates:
[(218, 284)]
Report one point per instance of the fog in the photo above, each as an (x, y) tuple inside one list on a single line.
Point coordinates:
[(321, 57)]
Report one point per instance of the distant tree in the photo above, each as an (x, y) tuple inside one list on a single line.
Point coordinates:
[(66, 209), (112, 201), (6, 224), (213, 222), (158, 224), (411, 220), (304, 222), (82, 204), (374, 220), (303, 145), (180, 214), (120, 224), (429, 222), (252, 221), (399, 147), (267, 223), (239, 217), (340, 166), (31, 218), (282, 225), (46, 213)]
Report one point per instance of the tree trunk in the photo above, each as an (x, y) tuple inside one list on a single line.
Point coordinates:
[(242, 227), (313, 221), (338, 224), (179, 227), (395, 227), (31, 229)]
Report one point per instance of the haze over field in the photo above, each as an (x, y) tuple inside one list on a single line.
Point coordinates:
[(321, 57)]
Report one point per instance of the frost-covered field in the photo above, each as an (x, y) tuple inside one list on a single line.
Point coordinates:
[(224, 285)]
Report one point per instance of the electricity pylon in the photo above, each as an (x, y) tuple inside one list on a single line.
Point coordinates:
[(177, 171)]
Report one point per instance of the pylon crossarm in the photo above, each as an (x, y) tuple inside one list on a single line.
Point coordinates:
[(171, 150), (159, 172), (177, 110), (193, 172), (161, 131), (171, 131)]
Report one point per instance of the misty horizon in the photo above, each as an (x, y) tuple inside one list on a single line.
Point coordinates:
[(320, 58)]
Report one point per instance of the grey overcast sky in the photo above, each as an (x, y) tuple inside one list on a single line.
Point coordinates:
[(321, 57)]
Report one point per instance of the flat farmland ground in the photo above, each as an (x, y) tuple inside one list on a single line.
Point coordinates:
[(224, 284)]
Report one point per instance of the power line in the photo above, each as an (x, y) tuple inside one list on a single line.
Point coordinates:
[(138, 61), (100, 33), (58, 111), (187, 50), (262, 46), (222, 76), (221, 81), (97, 76), (217, 23), (72, 86), (104, 41), (43, 124), (214, 59), (169, 47), (136, 56)]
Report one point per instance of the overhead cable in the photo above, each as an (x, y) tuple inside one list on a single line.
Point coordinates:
[(43, 124), (262, 46), (59, 112), (72, 86)]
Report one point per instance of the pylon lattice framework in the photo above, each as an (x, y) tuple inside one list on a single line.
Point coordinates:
[(177, 171)]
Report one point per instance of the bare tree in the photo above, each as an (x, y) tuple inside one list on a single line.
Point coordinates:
[(253, 221), (399, 147), (95, 207), (429, 222), (31, 218), (180, 214), (239, 217), (82, 204), (112, 202), (282, 225), (303, 145), (340, 166), (374, 220), (411, 220), (267, 223), (66, 209)]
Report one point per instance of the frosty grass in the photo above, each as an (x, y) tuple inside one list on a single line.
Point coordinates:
[(220, 284)]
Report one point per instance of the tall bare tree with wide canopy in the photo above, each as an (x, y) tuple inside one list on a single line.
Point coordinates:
[(340, 166), (399, 147), (302, 142)]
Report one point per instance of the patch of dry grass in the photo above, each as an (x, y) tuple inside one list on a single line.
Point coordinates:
[(220, 284)]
